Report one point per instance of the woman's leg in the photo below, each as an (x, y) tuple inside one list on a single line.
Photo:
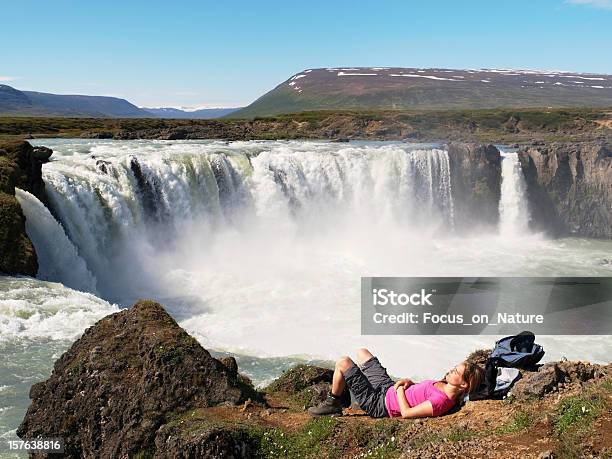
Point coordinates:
[(347, 373), (363, 355), (332, 405), (338, 381), (343, 364), (370, 366)]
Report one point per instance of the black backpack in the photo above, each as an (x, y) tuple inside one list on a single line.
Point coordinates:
[(518, 351)]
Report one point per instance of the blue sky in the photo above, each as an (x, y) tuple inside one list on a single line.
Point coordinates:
[(228, 53)]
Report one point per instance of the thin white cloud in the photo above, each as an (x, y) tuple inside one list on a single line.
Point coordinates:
[(603, 4), (7, 78), (193, 108)]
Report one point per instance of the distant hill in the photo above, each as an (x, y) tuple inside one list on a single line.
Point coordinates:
[(378, 88), (14, 102), (202, 114), (29, 103)]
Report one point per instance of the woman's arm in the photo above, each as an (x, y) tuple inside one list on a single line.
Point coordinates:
[(421, 410), (403, 382)]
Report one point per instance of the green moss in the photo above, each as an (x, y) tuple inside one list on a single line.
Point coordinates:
[(459, 434), (577, 412), (176, 353), (76, 366), (569, 446), (520, 421), (188, 341), (380, 439), (308, 441), (295, 379), (144, 454), (172, 354)]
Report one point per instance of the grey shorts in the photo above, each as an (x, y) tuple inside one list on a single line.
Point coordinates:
[(369, 386)]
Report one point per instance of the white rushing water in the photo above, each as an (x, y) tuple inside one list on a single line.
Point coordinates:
[(513, 205), (38, 322), (123, 205), (257, 248), (57, 257)]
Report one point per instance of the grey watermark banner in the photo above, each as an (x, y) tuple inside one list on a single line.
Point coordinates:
[(486, 305)]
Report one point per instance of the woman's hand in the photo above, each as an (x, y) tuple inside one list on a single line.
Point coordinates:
[(406, 383)]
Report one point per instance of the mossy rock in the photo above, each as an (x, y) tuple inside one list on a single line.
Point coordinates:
[(300, 377), (479, 356), (16, 249)]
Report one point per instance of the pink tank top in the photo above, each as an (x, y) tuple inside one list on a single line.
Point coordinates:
[(418, 393)]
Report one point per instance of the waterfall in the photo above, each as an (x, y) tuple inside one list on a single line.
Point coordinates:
[(58, 259), (513, 210), (125, 208)]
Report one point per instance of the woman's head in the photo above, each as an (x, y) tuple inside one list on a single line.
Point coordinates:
[(466, 375)]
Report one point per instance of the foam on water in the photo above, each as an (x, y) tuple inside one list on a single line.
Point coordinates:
[(34, 309), (38, 322)]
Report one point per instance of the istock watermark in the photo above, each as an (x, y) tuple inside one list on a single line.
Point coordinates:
[(486, 305)]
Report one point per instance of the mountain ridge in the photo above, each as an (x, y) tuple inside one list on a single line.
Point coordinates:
[(14, 102), (398, 88)]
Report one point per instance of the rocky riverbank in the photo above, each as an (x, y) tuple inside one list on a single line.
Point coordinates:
[(569, 188), (20, 166), (137, 385)]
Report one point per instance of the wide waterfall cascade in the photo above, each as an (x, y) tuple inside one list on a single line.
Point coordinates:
[(124, 207), (58, 259), (513, 204)]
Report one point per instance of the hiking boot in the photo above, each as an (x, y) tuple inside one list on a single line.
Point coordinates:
[(331, 406)]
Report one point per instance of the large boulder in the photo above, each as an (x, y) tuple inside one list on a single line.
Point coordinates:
[(306, 386), (301, 377), (20, 166), (554, 375), (569, 187), (125, 378)]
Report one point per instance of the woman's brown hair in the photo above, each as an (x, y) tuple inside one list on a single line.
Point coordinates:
[(473, 376)]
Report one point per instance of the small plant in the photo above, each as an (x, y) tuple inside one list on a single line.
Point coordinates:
[(306, 442), (170, 354), (76, 366), (458, 434), (577, 412), (144, 454), (520, 421)]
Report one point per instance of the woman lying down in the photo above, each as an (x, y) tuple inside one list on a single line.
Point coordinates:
[(379, 396)]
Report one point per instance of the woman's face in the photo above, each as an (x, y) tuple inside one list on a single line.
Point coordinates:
[(455, 375)]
